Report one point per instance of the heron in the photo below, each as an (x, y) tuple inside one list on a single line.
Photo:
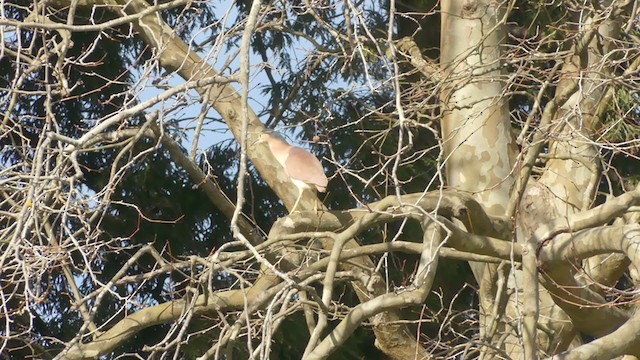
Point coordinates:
[(302, 167)]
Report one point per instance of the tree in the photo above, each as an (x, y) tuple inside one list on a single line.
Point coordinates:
[(502, 135)]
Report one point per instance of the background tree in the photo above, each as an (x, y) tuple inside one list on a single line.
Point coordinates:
[(141, 217)]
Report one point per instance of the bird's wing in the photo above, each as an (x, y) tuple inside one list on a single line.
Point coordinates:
[(304, 166)]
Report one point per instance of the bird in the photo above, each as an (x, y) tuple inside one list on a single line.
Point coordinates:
[(302, 167)]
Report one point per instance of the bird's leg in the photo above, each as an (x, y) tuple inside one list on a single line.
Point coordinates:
[(297, 202)]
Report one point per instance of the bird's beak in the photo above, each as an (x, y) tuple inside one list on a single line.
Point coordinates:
[(259, 138)]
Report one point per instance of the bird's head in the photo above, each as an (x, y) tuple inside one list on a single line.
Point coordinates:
[(269, 135)]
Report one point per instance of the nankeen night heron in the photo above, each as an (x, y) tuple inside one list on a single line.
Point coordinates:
[(303, 168)]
